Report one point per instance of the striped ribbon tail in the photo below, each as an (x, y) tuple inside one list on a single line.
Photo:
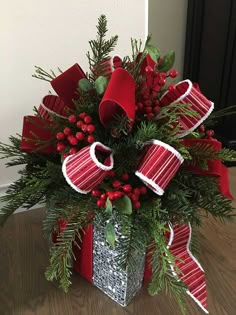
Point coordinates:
[(191, 272)]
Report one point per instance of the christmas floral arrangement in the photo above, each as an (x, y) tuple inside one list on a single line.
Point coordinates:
[(127, 169)]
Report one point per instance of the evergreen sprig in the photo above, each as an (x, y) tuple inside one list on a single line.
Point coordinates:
[(100, 48)]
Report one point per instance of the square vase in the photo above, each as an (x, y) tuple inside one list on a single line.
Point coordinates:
[(120, 285)]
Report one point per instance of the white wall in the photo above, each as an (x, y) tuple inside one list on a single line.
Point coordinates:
[(167, 23), (52, 33)]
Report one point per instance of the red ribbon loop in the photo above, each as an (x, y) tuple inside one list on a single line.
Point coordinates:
[(119, 97), (35, 128), (66, 84), (215, 166)]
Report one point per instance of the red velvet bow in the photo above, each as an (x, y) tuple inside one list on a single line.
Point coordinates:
[(215, 166)]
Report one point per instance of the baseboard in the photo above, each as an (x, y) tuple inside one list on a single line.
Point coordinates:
[(3, 189)]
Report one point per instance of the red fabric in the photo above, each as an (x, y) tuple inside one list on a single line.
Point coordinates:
[(66, 84), (215, 166), (184, 93), (54, 105), (191, 272), (34, 127), (158, 166), (148, 268), (82, 172), (119, 97), (83, 263)]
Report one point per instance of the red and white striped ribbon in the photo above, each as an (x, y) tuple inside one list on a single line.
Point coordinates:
[(186, 93), (83, 171), (158, 165), (192, 273), (52, 104)]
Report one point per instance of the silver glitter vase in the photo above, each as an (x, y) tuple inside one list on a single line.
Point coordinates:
[(120, 285)]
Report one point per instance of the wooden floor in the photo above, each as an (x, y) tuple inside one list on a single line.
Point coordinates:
[(24, 290)]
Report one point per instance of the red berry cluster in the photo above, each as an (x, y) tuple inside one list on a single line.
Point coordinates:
[(208, 133), (120, 189), (70, 137), (148, 104)]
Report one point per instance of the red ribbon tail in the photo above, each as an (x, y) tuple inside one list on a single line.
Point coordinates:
[(192, 273), (224, 182)]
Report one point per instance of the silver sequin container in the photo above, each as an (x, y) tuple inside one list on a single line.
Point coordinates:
[(120, 285)]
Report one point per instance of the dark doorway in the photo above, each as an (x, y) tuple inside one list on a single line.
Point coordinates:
[(210, 56)]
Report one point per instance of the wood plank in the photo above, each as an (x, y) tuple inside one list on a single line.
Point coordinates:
[(24, 290)]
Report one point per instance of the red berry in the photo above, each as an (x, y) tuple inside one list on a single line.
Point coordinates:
[(148, 69), (157, 103), (103, 196), (111, 173), (60, 147), (111, 195), (173, 73), (155, 109), (171, 88), (67, 131), (210, 133), (82, 115), (150, 115), (96, 193), (143, 190), (148, 103), (65, 155), (118, 194), (80, 136), (127, 188), (148, 109), (135, 197), (136, 191), (140, 106), (201, 128), (60, 136), (72, 119), (101, 203), (84, 128), (90, 128), (136, 204), (73, 151), (116, 183), (125, 176), (88, 119), (79, 123), (90, 139), (162, 82), (73, 141), (146, 96), (163, 75)]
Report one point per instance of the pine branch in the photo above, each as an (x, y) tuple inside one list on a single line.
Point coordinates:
[(161, 261), (226, 155), (44, 75), (100, 48), (61, 253)]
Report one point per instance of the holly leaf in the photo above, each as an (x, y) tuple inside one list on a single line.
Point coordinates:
[(167, 62), (153, 52), (123, 205), (85, 85), (108, 206), (101, 84), (110, 234)]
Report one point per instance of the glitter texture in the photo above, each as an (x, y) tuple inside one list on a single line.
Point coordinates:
[(118, 284)]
